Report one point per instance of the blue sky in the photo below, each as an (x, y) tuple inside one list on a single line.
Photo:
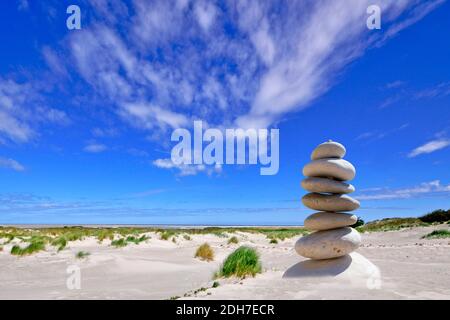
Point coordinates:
[(86, 115)]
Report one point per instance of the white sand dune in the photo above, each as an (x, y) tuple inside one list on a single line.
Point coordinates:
[(390, 265)]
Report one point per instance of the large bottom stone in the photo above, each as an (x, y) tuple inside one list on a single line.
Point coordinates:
[(328, 244), (329, 220)]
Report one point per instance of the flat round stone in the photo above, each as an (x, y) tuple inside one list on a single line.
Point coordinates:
[(328, 244), (324, 185), (328, 149), (329, 220), (338, 169), (330, 202)]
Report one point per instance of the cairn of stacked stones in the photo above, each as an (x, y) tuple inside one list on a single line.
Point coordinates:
[(325, 175)]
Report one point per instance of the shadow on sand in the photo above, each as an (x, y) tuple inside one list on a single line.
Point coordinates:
[(319, 268)]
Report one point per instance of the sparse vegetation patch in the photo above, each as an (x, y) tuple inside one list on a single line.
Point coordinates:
[(205, 252), (437, 234)]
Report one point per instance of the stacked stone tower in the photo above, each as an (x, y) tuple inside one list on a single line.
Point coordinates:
[(325, 175)]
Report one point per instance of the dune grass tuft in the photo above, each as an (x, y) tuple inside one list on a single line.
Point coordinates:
[(34, 246), (59, 242), (136, 240), (82, 254), (119, 243), (273, 241), (187, 237), (243, 262), (437, 234), (205, 252), (165, 235), (233, 240), (7, 236), (103, 234)]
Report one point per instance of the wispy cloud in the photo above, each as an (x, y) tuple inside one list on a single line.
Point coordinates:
[(95, 148), (418, 11), (104, 132), (376, 134), (275, 60), (206, 13), (395, 84), (159, 65), (430, 147), (187, 170), (439, 90), (148, 193), (306, 69), (23, 5), (425, 189), (389, 101), (22, 109), (11, 164), (404, 93)]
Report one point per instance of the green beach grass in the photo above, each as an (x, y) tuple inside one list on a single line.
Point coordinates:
[(437, 234), (241, 263), (34, 246), (82, 254)]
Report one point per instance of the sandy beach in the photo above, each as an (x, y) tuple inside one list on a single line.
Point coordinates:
[(409, 268)]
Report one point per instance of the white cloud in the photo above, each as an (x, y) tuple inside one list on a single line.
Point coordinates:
[(424, 189), (187, 170), (11, 164), (418, 11), (317, 48), (377, 135), (206, 13), (160, 69), (13, 128), (95, 148), (53, 61), (430, 147), (150, 115), (104, 132), (439, 90), (13, 113), (22, 110), (23, 5), (395, 84)]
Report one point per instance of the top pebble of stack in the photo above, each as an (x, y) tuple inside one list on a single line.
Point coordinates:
[(328, 149)]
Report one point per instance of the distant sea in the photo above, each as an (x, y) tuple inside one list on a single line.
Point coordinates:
[(162, 226)]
